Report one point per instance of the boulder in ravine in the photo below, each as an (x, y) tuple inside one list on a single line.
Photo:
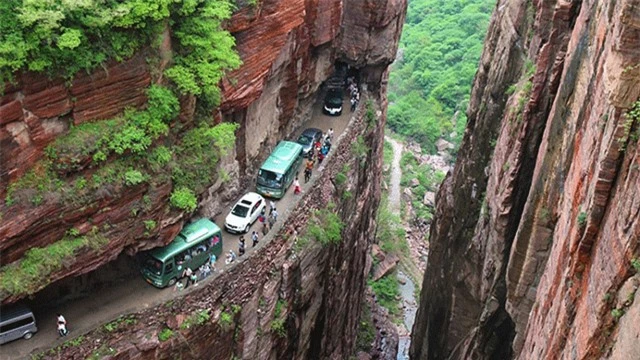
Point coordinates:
[(384, 267), (429, 198)]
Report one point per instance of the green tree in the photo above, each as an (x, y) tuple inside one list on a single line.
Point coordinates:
[(441, 45)]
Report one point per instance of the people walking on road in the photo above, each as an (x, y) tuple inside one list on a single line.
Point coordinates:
[(194, 278), (274, 215), (205, 270), (327, 144), (231, 257), (272, 219), (212, 259), (272, 206), (241, 246), (307, 171), (296, 187), (353, 104), (329, 134), (187, 274), (320, 158), (265, 229), (62, 325), (179, 286), (254, 238)]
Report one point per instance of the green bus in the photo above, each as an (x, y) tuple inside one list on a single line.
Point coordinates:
[(278, 171), (163, 266)]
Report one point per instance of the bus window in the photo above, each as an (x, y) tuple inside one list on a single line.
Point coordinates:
[(270, 179)]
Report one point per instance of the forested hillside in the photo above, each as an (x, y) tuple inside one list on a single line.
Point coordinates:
[(430, 82)]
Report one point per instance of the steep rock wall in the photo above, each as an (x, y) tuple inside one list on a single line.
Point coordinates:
[(288, 49), (532, 241), (286, 300)]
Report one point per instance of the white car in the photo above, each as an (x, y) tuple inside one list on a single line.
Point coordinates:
[(244, 213)]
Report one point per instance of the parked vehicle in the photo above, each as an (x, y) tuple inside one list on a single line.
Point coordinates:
[(308, 138), (244, 213), (333, 102), (16, 322), (163, 266), (277, 172)]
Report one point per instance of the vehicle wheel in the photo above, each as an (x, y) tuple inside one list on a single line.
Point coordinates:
[(172, 282), (27, 336), (246, 229)]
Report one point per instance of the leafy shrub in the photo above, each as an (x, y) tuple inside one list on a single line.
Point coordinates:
[(198, 318), (32, 272), (160, 157), (165, 334), (204, 50), (133, 177), (225, 321), (582, 218), (366, 330), (184, 199), (617, 313), (324, 227), (635, 264), (199, 152), (150, 224), (387, 291), (277, 326)]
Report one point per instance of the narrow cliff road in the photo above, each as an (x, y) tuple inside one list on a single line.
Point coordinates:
[(133, 293), (396, 174)]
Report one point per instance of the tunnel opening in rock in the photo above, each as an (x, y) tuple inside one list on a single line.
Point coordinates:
[(109, 275)]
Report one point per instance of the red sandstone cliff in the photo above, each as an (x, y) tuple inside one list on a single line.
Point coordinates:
[(288, 49), (533, 240)]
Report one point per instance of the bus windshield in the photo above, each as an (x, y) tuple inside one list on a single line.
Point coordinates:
[(153, 265), (270, 179)]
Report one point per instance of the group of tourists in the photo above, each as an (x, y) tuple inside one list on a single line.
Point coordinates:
[(318, 151), (354, 92)]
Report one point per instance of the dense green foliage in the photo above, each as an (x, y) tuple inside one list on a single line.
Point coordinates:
[(387, 291), (440, 48), (32, 273), (199, 65), (61, 37), (325, 227)]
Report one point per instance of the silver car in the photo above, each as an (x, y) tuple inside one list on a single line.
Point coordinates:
[(16, 322), (308, 138)]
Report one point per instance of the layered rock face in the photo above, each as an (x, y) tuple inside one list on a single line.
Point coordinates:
[(536, 229), (291, 298), (288, 49)]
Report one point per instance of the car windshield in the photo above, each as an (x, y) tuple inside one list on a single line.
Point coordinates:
[(334, 99), (304, 140), (240, 211), (153, 265), (270, 179)]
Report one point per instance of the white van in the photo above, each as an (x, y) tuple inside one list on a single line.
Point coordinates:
[(16, 322)]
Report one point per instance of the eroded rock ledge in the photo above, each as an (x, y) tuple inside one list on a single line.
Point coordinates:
[(288, 49), (285, 300)]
